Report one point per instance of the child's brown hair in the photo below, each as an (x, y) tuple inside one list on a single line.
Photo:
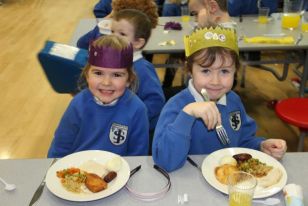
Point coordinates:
[(148, 7), (207, 57)]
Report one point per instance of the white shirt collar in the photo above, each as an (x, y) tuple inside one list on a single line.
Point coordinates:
[(137, 55), (99, 102), (198, 97), (229, 25)]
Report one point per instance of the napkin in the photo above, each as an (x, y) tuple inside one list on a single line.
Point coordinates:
[(270, 40)]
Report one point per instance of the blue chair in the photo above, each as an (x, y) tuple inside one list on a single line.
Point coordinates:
[(62, 65)]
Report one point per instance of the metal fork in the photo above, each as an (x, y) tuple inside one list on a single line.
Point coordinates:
[(220, 130), (299, 38)]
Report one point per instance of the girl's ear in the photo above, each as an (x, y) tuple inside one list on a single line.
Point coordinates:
[(213, 6), (138, 43)]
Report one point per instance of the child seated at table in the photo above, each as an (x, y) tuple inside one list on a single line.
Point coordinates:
[(106, 115), (148, 7), (135, 26), (188, 120), (211, 12), (146, 18)]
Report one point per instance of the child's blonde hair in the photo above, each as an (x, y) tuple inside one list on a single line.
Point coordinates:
[(114, 42)]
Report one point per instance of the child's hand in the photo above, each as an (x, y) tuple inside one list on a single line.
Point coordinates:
[(207, 111), (274, 147)]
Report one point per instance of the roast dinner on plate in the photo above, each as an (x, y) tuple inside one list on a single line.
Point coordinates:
[(267, 175), (90, 177)]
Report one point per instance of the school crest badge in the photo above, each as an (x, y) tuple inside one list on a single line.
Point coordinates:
[(235, 120), (118, 134)]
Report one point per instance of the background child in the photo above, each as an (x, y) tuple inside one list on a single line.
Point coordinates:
[(148, 7), (211, 12), (135, 26), (187, 123), (106, 115)]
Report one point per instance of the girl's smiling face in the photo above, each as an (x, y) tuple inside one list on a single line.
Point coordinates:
[(107, 84), (217, 79)]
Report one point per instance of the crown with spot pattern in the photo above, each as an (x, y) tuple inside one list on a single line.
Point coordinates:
[(210, 37)]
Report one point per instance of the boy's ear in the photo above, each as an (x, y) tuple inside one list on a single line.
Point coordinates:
[(139, 43), (213, 6)]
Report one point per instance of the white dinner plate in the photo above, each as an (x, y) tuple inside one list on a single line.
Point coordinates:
[(212, 161), (77, 159)]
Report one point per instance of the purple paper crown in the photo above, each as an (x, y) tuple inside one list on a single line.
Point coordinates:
[(110, 57)]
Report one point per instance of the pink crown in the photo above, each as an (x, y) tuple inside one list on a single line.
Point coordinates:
[(110, 57)]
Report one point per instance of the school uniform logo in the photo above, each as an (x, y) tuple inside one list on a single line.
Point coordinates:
[(118, 134), (235, 120)]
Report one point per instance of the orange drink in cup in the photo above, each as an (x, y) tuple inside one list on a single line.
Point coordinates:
[(291, 13), (305, 22), (290, 20), (185, 16), (263, 15), (241, 187)]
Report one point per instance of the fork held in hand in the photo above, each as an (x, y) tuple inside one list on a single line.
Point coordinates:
[(220, 130), (222, 135)]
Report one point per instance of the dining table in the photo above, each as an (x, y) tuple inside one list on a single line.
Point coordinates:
[(27, 175), (164, 41)]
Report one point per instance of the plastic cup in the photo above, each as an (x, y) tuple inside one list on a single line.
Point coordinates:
[(305, 22), (241, 187), (263, 15), (185, 15), (291, 14)]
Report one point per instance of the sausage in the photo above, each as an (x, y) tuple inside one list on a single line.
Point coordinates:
[(110, 176), (242, 157)]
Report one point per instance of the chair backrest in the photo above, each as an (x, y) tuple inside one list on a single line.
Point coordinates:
[(62, 65)]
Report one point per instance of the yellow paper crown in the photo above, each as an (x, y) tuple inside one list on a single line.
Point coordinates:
[(210, 37)]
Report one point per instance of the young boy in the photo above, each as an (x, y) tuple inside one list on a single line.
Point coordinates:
[(187, 122), (211, 12), (135, 26)]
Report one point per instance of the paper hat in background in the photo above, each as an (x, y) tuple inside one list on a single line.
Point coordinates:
[(210, 37)]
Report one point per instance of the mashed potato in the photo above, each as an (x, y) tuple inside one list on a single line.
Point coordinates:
[(114, 164), (228, 160)]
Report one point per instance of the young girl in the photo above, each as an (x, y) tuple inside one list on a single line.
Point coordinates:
[(106, 115), (187, 122), (136, 27)]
